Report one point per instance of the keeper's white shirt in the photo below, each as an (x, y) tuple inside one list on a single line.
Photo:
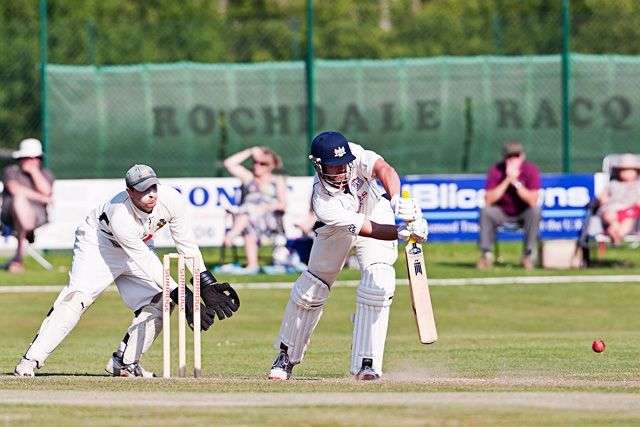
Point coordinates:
[(115, 243), (120, 221)]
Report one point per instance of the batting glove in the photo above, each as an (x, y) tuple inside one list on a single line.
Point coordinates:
[(418, 230), (406, 209)]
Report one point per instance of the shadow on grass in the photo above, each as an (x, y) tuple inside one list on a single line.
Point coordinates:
[(472, 266), (62, 374), (614, 264)]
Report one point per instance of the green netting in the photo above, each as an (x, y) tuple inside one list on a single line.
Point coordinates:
[(443, 115)]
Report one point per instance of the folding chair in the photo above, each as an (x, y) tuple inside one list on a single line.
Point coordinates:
[(273, 237), (508, 228), (592, 234), (8, 233)]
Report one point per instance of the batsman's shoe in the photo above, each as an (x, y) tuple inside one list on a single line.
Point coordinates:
[(25, 368), (281, 369), (118, 368), (367, 373)]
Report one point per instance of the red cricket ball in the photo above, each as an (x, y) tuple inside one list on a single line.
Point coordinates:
[(598, 346)]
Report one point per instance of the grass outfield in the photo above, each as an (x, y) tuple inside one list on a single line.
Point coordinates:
[(508, 354)]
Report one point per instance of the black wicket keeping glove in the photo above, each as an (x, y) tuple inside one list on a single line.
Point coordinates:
[(220, 297), (207, 315)]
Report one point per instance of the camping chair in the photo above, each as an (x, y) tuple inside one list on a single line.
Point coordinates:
[(507, 231), (8, 233), (592, 234), (274, 236)]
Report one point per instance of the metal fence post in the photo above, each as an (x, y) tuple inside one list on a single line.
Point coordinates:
[(43, 80), (310, 78), (566, 167)]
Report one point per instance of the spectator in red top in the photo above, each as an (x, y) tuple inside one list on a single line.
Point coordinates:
[(511, 196)]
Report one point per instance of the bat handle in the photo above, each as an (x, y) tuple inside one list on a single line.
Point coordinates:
[(405, 195)]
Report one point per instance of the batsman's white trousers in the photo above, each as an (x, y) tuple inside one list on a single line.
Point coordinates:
[(328, 254), (332, 247)]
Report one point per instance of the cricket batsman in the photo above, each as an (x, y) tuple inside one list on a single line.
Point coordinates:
[(115, 244), (353, 212)]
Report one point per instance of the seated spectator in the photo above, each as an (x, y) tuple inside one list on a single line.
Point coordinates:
[(620, 202), (263, 202), (511, 196), (27, 192)]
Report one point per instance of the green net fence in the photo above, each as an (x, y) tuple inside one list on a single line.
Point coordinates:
[(442, 115), (434, 93)]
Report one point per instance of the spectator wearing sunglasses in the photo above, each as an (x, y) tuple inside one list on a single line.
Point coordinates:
[(511, 197), (259, 216)]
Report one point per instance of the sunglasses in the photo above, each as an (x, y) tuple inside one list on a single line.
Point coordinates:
[(509, 156), (261, 163)]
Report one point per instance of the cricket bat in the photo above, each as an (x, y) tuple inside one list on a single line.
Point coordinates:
[(419, 289)]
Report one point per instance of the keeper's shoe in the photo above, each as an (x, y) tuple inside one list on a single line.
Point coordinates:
[(25, 368), (281, 369), (367, 373), (117, 368)]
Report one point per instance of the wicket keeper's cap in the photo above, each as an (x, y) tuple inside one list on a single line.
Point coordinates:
[(627, 161), (512, 148), (332, 148), (30, 147), (141, 177)]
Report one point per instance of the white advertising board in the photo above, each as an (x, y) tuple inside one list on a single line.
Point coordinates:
[(206, 199)]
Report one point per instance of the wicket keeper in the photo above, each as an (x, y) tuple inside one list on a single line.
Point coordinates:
[(115, 244)]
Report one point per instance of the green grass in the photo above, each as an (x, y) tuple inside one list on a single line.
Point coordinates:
[(495, 339), (444, 261)]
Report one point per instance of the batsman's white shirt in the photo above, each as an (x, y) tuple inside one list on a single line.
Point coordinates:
[(115, 244), (347, 209), (343, 212)]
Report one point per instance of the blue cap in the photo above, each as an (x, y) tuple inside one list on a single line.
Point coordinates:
[(332, 148)]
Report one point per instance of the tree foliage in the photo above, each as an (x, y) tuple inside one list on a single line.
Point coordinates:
[(114, 32)]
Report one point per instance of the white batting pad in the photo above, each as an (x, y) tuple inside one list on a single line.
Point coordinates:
[(57, 325), (144, 330), (301, 316), (373, 300)]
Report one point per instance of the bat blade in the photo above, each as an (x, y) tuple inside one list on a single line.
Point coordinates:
[(420, 296)]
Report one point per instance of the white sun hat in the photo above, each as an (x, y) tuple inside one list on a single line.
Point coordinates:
[(30, 147)]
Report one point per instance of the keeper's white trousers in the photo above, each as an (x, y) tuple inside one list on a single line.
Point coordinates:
[(97, 263)]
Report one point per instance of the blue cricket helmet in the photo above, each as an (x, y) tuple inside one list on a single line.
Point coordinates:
[(331, 149)]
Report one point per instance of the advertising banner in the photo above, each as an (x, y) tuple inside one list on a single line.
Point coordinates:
[(450, 204), (207, 200)]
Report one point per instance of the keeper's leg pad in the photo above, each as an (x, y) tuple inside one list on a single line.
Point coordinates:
[(144, 330), (62, 318), (373, 300), (301, 316)]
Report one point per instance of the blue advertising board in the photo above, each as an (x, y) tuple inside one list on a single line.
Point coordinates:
[(451, 204)]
